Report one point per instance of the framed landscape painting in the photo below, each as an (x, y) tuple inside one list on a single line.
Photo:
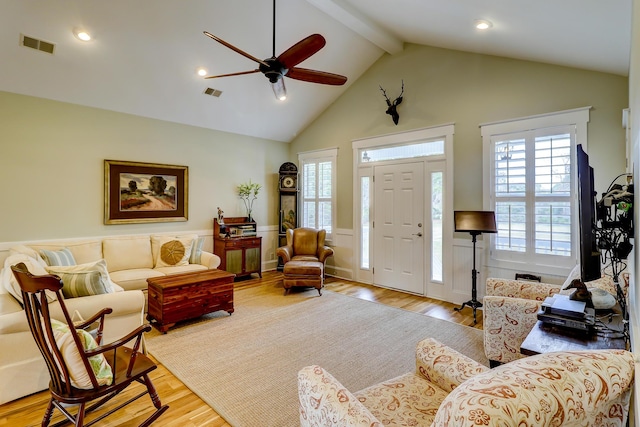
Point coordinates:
[(137, 192)]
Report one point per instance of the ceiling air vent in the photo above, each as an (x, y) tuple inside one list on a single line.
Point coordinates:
[(213, 92), (36, 44)]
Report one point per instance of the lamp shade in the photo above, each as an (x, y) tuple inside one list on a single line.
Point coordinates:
[(475, 221), (278, 89)]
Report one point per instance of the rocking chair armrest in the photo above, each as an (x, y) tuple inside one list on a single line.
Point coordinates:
[(135, 334), (99, 315)]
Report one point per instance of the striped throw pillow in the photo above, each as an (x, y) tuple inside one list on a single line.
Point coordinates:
[(196, 251), (63, 257), (83, 284), (100, 266)]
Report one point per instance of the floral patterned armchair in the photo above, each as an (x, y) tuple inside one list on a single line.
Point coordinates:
[(510, 312), (449, 389), (410, 399)]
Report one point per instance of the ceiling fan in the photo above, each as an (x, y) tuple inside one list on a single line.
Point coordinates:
[(276, 67)]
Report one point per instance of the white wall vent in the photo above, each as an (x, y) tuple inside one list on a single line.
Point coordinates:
[(37, 44), (213, 92)]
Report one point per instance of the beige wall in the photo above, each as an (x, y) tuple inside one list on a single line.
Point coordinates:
[(51, 153), (51, 168), (444, 86)]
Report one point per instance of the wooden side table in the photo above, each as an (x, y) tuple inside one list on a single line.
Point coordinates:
[(239, 247), (545, 338)]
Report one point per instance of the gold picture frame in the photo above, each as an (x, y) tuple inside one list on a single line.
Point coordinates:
[(136, 192)]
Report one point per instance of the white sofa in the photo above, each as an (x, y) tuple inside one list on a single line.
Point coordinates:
[(130, 261)]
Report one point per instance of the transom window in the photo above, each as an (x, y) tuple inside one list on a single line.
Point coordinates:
[(404, 151)]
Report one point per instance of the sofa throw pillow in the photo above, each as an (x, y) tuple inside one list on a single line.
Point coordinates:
[(79, 375), (60, 257), (157, 243), (83, 284), (171, 251), (9, 282), (196, 251), (99, 266), (174, 253), (26, 250)]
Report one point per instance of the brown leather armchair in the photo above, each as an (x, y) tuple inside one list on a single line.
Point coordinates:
[(305, 244)]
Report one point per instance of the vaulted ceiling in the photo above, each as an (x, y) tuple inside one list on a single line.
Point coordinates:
[(144, 54)]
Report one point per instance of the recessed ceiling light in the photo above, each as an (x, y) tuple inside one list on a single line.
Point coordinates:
[(202, 71), (482, 24), (82, 34)]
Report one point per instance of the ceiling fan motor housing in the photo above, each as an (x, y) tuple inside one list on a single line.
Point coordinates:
[(275, 71)]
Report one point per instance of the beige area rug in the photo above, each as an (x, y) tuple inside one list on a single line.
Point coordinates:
[(245, 365)]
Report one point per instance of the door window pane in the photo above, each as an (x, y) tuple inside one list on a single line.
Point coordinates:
[(436, 226), (364, 220)]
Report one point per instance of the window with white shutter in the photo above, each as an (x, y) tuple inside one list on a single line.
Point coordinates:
[(318, 189), (532, 189)]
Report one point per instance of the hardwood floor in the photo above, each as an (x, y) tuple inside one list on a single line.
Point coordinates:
[(187, 409)]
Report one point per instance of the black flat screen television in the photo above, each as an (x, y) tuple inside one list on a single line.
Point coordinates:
[(589, 253)]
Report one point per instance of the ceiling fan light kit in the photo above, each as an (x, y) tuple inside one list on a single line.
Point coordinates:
[(279, 90), (277, 67)]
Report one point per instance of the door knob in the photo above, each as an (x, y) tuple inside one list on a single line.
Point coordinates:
[(417, 234)]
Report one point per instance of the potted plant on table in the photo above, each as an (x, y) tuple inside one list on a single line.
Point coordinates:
[(248, 192)]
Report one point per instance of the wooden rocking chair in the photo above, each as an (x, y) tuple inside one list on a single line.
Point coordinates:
[(127, 364)]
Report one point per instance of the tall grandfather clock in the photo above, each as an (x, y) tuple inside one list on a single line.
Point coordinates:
[(288, 185)]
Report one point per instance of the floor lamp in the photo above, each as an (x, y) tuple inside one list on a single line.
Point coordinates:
[(474, 222)]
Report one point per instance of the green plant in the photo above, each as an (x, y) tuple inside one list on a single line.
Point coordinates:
[(248, 192)]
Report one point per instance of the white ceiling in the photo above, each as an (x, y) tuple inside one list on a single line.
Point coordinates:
[(145, 53)]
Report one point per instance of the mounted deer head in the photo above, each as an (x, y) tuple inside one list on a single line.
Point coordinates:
[(392, 106)]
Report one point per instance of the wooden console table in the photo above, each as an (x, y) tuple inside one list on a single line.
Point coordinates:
[(188, 295), (545, 338)]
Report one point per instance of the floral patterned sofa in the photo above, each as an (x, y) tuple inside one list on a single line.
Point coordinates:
[(449, 389), (510, 311)]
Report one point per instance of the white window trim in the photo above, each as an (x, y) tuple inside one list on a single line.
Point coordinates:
[(578, 117), (330, 153)]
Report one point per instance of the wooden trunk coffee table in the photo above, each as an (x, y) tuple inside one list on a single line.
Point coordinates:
[(188, 295)]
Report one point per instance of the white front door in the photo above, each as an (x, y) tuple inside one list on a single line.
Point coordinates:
[(399, 227)]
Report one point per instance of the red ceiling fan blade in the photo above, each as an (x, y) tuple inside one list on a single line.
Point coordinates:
[(301, 50), (233, 74), (232, 47), (314, 76)]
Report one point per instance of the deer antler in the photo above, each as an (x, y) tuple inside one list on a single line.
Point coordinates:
[(384, 92), (401, 92)]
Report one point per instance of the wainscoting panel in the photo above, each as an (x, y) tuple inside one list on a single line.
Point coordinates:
[(462, 267), (270, 244), (342, 264)]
